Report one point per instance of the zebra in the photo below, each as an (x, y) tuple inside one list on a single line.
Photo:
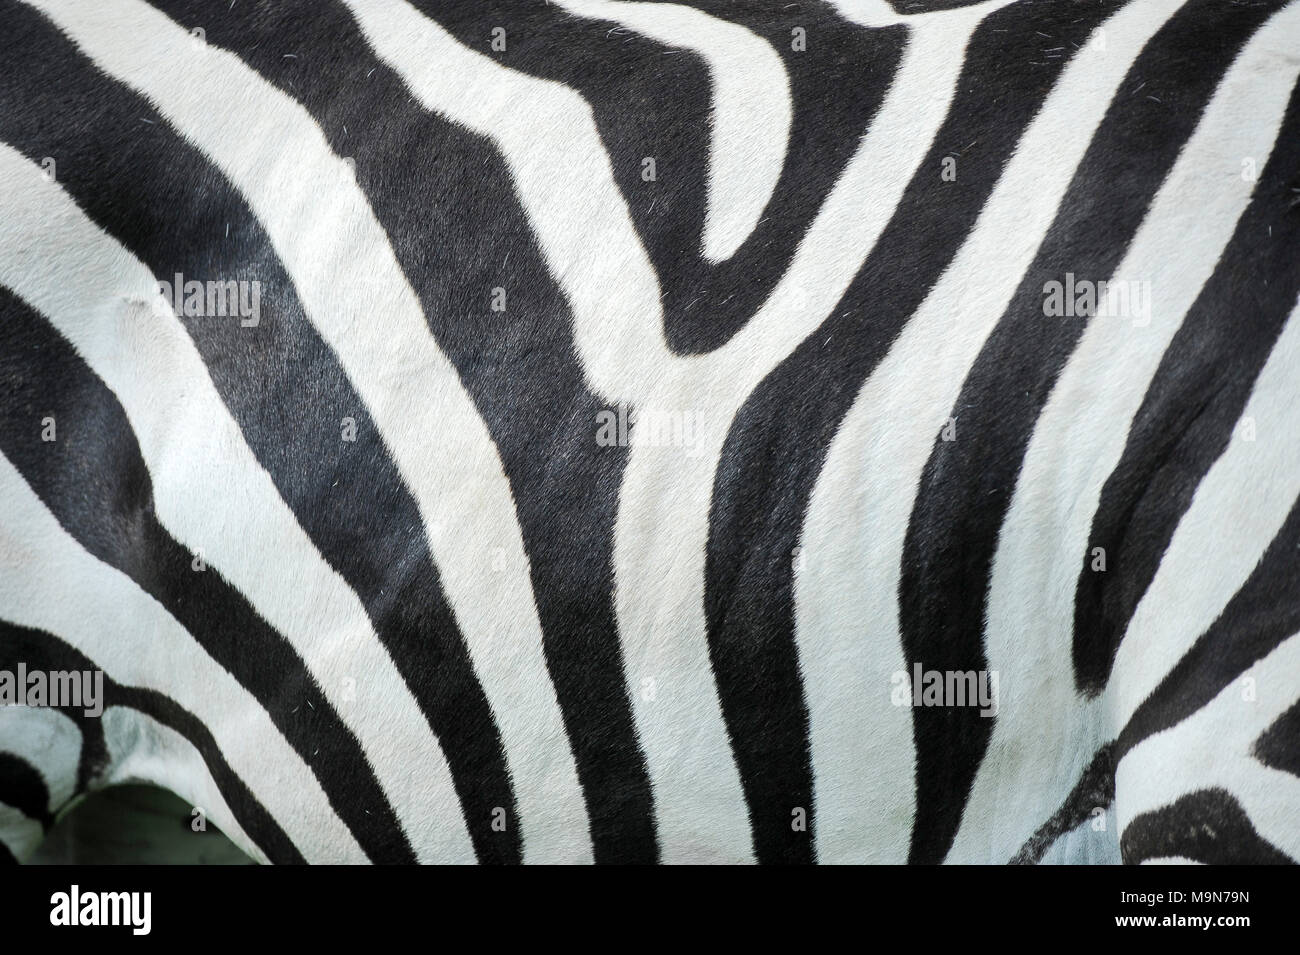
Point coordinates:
[(627, 431)]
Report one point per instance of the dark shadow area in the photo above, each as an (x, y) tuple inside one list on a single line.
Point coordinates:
[(134, 825)]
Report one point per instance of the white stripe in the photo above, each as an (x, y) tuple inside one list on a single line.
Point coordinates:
[(879, 13), (101, 613), (210, 493), (143, 750), (1211, 749), (750, 123), (48, 741), (847, 602), (1077, 442), (868, 13), (322, 228)]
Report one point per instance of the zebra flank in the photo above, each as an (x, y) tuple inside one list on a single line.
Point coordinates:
[(717, 431)]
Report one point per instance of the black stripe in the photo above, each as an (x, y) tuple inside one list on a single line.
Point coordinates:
[(778, 443), (425, 179), (162, 199), (651, 101), (1279, 745), (23, 788), (95, 482), (1189, 412), (1262, 614), (1208, 826), (968, 483), (37, 648), (1094, 790)]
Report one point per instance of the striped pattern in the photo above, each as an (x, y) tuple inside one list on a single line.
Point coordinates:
[(367, 585)]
